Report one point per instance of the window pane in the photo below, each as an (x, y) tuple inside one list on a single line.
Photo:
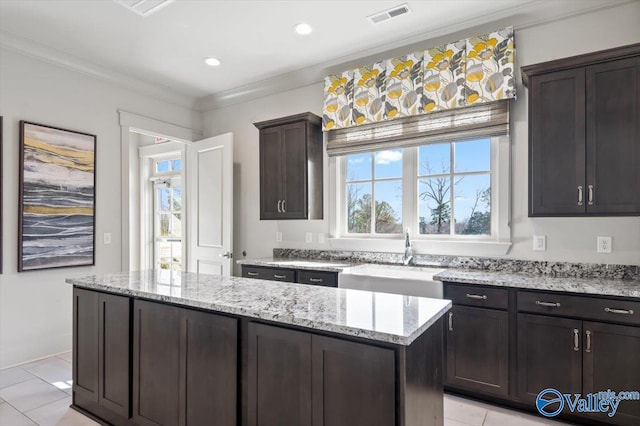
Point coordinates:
[(388, 207), (358, 197), (388, 164), (358, 167), (434, 205), (164, 224), (176, 255), (177, 199), (434, 159), (176, 165), (164, 254), (163, 199), (473, 204), (473, 156), (162, 166)]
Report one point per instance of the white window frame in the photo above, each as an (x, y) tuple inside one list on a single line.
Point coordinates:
[(496, 244), (148, 157)]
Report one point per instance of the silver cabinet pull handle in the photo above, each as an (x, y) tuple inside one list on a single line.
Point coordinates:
[(576, 339), (280, 277), (476, 296), (619, 311), (590, 195), (580, 195), (450, 321), (316, 280), (588, 349), (548, 304), (252, 274), (279, 210), (284, 210)]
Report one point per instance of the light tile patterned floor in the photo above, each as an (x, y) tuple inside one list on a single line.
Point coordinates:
[(39, 393)]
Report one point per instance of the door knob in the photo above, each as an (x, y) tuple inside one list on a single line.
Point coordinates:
[(226, 255)]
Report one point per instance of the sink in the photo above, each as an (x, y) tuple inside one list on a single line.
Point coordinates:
[(406, 280)]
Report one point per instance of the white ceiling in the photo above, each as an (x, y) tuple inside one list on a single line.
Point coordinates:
[(253, 39)]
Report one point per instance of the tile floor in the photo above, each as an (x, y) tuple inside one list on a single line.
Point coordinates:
[(39, 393)]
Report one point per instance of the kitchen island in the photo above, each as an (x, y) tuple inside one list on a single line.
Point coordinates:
[(201, 349)]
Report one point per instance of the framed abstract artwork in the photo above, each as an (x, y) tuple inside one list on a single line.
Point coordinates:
[(56, 217)]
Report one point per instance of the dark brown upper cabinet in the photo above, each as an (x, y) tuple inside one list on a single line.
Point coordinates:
[(291, 165), (584, 134)]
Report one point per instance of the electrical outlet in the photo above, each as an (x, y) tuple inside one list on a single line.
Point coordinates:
[(107, 238), (320, 237), (278, 236), (539, 243), (309, 237), (604, 244)]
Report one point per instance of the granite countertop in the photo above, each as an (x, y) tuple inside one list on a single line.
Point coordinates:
[(594, 286), (376, 316), (307, 264)]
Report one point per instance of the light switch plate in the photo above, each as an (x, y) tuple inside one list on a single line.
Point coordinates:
[(604, 245), (107, 238), (539, 243), (309, 237), (278, 236)]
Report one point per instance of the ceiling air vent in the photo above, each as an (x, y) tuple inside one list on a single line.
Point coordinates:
[(385, 15), (144, 7)]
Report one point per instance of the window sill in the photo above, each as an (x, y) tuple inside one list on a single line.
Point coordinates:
[(439, 247)]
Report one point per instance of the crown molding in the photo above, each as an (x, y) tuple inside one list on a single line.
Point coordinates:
[(53, 56), (528, 15)]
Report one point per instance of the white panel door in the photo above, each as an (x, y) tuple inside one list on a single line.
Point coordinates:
[(210, 205)]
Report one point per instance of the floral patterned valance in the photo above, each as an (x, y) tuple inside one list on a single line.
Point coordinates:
[(472, 71)]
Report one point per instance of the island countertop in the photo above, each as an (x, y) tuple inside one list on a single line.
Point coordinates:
[(380, 317)]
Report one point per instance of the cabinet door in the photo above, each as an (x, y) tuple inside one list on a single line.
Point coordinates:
[(549, 355), (85, 343), (478, 350), (557, 144), (209, 354), (613, 137), (612, 361), (270, 173), (156, 357), (294, 171), (353, 384), (114, 353), (279, 376)]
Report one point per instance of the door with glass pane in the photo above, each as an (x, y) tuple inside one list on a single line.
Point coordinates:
[(168, 219)]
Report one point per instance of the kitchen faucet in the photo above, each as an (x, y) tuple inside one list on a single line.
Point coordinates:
[(408, 259)]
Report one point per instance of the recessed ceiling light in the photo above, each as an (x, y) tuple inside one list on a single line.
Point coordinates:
[(303, 29), (212, 62)]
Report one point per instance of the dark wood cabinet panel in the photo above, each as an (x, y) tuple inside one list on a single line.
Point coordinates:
[(556, 143), (279, 376), (114, 359), (549, 355), (478, 296), (584, 134), (612, 361), (353, 384), (322, 278), (271, 274), (156, 356), (613, 137), (209, 357), (291, 168), (478, 350), (86, 345)]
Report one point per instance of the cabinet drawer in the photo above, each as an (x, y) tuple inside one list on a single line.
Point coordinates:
[(327, 279), (590, 308), (474, 295), (273, 274)]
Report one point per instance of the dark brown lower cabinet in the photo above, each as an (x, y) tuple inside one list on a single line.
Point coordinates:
[(612, 361), (353, 384), (298, 378), (478, 349), (101, 368), (184, 366), (549, 355), (279, 376)]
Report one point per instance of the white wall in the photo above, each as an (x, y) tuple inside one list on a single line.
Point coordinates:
[(35, 307), (568, 239)]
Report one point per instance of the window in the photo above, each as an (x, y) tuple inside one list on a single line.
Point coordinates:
[(374, 193)]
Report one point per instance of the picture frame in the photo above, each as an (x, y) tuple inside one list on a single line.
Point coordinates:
[(56, 218), (1, 192)]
